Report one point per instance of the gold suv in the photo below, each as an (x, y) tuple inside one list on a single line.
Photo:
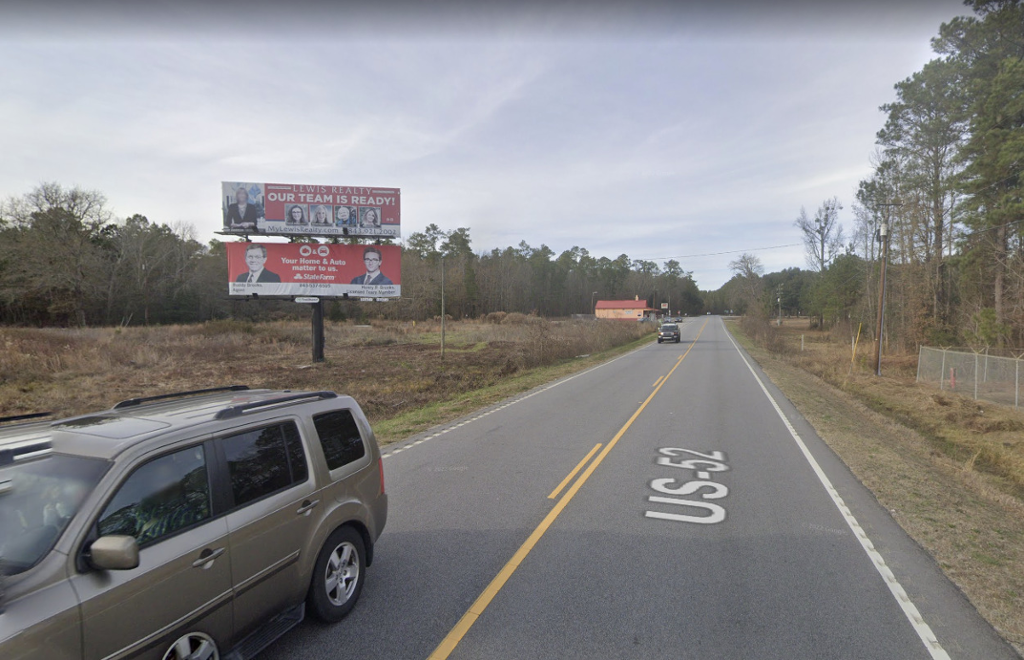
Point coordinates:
[(198, 525)]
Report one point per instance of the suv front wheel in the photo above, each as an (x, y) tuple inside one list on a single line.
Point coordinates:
[(337, 576)]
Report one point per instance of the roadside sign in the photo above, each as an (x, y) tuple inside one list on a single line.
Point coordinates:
[(664, 305), (286, 209), (317, 270), (307, 299)]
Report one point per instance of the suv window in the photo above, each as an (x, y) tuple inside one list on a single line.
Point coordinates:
[(339, 436), (162, 497), (264, 461), (37, 500)]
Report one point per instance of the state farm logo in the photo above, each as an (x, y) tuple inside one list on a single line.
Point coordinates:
[(321, 250)]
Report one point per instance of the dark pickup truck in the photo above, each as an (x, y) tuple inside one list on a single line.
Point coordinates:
[(668, 332)]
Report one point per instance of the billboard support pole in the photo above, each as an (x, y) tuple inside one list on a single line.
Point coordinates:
[(318, 331)]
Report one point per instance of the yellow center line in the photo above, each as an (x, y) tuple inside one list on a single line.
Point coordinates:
[(452, 639), (658, 381), (572, 474)]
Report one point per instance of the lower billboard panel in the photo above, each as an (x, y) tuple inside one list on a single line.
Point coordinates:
[(312, 269)]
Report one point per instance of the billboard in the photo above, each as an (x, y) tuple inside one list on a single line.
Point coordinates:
[(287, 209), (314, 269)]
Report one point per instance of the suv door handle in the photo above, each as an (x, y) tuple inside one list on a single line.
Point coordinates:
[(307, 506), (206, 558)]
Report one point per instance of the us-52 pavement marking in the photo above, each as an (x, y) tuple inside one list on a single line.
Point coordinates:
[(703, 463)]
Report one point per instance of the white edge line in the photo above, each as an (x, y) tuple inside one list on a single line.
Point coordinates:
[(921, 627), (410, 445)]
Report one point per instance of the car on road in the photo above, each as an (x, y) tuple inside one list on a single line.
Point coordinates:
[(200, 524), (668, 332)]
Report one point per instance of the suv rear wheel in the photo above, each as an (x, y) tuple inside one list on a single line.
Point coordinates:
[(193, 646), (337, 576)]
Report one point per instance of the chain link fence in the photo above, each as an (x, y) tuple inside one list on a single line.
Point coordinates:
[(983, 376)]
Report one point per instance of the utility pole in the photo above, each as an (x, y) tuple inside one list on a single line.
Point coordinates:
[(593, 303), (883, 236), (442, 309), (778, 293)]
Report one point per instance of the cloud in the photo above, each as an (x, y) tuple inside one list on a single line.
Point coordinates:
[(647, 130)]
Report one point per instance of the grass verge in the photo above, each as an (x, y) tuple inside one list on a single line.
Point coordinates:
[(969, 520), (391, 368), (439, 412)]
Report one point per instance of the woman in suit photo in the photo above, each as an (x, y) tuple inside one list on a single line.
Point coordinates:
[(241, 214)]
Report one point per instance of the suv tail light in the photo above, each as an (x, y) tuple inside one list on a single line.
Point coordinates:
[(380, 467)]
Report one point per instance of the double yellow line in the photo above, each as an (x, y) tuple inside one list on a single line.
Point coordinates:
[(452, 639)]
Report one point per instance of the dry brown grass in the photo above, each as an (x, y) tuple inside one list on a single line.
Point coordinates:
[(985, 436), (948, 468), (390, 367)]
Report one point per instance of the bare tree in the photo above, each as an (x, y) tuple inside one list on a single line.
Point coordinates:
[(822, 236), (748, 270)]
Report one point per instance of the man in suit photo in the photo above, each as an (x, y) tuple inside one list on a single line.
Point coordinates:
[(241, 214), (372, 259), (255, 257)]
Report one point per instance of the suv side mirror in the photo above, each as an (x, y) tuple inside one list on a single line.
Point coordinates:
[(114, 553)]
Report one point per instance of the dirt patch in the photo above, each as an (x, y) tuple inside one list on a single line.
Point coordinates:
[(932, 459)]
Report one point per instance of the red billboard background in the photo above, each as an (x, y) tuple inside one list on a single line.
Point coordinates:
[(314, 269)]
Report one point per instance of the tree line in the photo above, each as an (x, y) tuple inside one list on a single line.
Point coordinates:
[(947, 191), (66, 261), (946, 186)]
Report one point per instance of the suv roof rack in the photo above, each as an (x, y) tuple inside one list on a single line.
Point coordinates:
[(23, 418), (128, 403), (24, 452), (242, 408)]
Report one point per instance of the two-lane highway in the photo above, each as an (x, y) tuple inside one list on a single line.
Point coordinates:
[(667, 504)]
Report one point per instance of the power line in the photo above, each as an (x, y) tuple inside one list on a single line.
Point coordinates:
[(715, 254)]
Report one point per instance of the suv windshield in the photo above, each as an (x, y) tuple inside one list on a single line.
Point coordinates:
[(668, 327), (37, 500)]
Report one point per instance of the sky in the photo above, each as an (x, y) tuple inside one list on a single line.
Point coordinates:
[(683, 130)]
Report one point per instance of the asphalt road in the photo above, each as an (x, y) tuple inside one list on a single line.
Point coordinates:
[(749, 539)]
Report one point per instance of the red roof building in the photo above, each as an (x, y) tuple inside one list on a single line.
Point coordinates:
[(622, 309)]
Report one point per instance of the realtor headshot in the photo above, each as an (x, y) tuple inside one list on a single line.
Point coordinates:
[(295, 214), (345, 216), (255, 258), (372, 259), (369, 216), (322, 216), (242, 213)]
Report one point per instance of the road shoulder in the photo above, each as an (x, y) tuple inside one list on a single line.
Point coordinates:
[(973, 531)]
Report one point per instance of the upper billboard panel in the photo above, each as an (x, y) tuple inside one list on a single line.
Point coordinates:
[(286, 209)]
